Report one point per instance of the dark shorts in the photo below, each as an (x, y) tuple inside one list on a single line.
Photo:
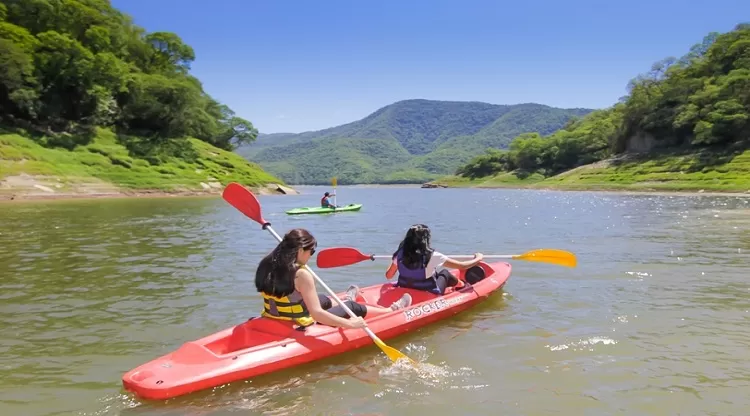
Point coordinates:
[(335, 309), (445, 279)]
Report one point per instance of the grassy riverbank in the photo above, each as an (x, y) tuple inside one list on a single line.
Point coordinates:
[(104, 167), (666, 172)]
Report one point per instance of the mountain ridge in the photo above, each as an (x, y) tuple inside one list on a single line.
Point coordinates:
[(435, 138)]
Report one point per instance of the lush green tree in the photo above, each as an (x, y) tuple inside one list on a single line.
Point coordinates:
[(700, 100), (67, 65)]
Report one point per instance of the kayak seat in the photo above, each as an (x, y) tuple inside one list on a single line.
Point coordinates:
[(241, 338), (254, 332)]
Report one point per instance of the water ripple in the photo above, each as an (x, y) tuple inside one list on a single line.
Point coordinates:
[(653, 320)]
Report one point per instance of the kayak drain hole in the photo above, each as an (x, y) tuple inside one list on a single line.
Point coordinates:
[(160, 381), (234, 358)]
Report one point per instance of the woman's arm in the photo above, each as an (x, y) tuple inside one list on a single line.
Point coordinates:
[(463, 265), (391, 270), (305, 284)]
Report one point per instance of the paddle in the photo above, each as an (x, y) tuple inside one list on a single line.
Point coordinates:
[(244, 200), (334, 182), (345, 256)]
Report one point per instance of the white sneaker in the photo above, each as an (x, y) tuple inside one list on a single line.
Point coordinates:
[(402, 303), (351, 293)]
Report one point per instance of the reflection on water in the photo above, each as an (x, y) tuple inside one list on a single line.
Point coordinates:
[(653, 320)]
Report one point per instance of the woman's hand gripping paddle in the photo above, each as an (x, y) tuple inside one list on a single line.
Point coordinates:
[(244, 200), (345, 256)]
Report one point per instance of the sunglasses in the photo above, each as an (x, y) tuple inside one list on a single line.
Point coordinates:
[(312, 251)]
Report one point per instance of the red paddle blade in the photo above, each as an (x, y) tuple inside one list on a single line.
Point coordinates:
[(241, 198), (340, 256)]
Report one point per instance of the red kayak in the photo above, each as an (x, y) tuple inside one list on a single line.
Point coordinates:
[(264, 345)]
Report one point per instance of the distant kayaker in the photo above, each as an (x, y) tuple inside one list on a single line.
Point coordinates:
[(420, 267), (289, 292), (325, 202)]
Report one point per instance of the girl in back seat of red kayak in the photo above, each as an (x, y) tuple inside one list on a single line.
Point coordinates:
[(420, 267), (289, 293)]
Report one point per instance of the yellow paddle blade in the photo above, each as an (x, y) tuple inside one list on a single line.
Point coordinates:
[(393, 353), (549, 255), (334, 181)]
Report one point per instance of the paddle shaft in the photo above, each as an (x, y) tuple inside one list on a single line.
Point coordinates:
[(325, 286), (344, 256), (461, 256), (335, 182)]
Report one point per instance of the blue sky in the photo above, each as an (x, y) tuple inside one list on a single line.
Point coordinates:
[(293, 66)]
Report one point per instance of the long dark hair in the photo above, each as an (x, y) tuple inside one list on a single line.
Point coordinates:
[(416, 246), (276, 272)]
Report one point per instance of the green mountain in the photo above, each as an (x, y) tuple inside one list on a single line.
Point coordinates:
[(409, 141)]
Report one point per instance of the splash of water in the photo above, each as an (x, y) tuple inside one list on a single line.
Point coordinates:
[(402, 378), (583, 344)]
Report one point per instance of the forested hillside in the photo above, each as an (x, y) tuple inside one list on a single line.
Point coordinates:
[(408, 141), (696, 107), (70, 68)]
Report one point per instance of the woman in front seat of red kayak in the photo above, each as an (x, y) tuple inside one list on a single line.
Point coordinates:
[(421, 267), (289, 292)]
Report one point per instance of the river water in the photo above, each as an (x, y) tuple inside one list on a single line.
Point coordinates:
[(654, 320)]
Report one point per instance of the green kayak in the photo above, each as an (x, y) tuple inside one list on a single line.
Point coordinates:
[(320, 210)]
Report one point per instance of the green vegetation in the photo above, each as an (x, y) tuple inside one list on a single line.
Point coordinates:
[(410, 141), (106, 160), (684, 125), (710, 171), (71, 68), (667, 171)]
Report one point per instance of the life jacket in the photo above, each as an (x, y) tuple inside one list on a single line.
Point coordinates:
[(413, 278), (287, 308), (324, 202)]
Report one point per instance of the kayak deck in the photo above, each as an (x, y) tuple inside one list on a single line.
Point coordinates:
[(321, 210), (262, 345)]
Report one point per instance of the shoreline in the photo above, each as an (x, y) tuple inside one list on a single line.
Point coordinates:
[(595, 189), (275, 189), (18, 197), (664, 192), (676, 173), (104, 168), (365, 185), (23, 195)]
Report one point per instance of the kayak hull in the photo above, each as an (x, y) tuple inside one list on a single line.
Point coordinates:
[(262, 345), (321, 210)]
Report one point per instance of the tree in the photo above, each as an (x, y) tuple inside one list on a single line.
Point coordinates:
[(67, 64)]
